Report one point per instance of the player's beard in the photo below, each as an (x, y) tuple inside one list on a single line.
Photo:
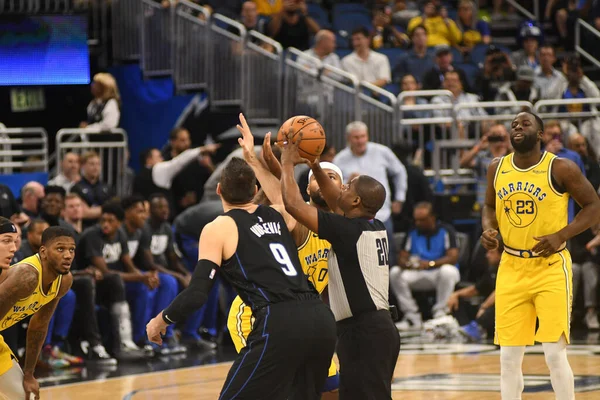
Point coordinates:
[(317, 199), (526, 145)]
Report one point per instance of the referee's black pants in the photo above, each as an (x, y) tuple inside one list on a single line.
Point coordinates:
[(287, 354), (368, 347)]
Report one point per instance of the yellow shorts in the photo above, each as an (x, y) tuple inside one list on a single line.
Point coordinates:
[(527, 288), (6, 357), (239, 323)]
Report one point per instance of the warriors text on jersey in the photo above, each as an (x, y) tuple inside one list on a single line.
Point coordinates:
[(313, 255), (528, 204), (25, 308)]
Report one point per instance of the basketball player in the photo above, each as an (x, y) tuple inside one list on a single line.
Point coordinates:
[(32, 287), (293, 337), (527, 203), (312, 251), (9, 235)]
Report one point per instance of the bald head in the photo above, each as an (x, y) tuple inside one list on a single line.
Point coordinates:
[(324, 43), (371, 193), (31, 194), (578, 144)]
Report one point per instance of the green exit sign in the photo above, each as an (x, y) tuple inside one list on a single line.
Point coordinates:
[(27, 99)]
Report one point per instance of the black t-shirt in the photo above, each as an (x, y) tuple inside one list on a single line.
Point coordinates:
[(8, 203), (358, 264), (160, 240), (265, 268), (297, 35), (136, 243), (93, 243)]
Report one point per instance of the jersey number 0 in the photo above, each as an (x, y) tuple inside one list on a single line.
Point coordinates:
[(282, 257)]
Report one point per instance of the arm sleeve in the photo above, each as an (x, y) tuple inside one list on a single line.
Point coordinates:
[(110, 117), (164, 172), (335, 228), (398, 172)]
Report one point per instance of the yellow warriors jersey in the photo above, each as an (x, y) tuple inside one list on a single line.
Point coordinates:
[(313, 254), (527, 203), (25, 308)]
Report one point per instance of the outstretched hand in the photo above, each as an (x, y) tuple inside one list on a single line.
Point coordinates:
[(289, 153), (247, 139)]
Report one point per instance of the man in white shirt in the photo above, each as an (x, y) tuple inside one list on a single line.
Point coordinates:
[(69, 174), (324, 50), (453, 83), (546, 76), (367, 65)]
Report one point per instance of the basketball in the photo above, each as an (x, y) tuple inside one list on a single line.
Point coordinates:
[(313, 135)]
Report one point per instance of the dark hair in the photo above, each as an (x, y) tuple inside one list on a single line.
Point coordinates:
[(371, 192), (145, 154), (35, 223), (113, 208), (415, 29), (54, 232), (538, 120), (427, 205), (175, 131), (238, 182), (361, 30), (155, 196), (55, 189), (131, 201), (547, 46)]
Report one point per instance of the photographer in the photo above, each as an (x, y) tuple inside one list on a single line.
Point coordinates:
[(521, 90), (442, 30), (573, 85), (293, 26), (497, 70)]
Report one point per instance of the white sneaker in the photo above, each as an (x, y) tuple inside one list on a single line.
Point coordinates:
[(129, 345), (591, 320), (410, 322), (439, 314)]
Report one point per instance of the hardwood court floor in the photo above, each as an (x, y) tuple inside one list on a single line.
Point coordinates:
[(444, 376)]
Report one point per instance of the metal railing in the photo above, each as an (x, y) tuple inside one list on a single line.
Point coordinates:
[(303, 93), (126, 18), (568, 109), (578, 40), (475, 122), (533, 15), (156, 39), (191, 55), (226, 63), (111, 147), (378, 109), (23, 150), (262, 79)]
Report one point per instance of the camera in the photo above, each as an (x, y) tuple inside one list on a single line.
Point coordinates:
[(495, 139)]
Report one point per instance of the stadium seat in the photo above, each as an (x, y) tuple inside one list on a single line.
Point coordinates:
[(457, 56), (471, 71), (342, 52), (393, 88), (345, 8), (319, 15), (393, 54), (342, 41), (478, 53), (350, 21)]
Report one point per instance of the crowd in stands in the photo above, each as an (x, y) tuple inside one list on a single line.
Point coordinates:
[(136, 251)]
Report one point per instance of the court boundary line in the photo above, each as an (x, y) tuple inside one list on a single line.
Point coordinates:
[(136, 375)]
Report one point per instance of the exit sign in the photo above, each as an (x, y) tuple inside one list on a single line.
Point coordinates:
[(27, 99)]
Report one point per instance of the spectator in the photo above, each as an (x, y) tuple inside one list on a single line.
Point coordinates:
[(384, 33), (362, 157), (103, 252), (9, 208), (409, 84), (485, 287), (522, 89), (103, 111), (434, 78), (564, 14), (144, 301), (453, 83), (33, 243), (595, 14), (579, 144), (573, 85), (73, 214), (292, 26), (546, 76), (269, 7), (474, 30), (530, 35), (497, 70), (441, 29), (32, 194), (249, 18), (52, 206), (428, 257), (366, 64), (494, 143), (417, 60), (324, 50), (69, 172), (92, 191), (18, 257)]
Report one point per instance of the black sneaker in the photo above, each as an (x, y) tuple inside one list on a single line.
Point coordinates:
[(198, 343), (173, 347)]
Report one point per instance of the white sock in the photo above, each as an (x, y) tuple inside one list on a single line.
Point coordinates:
[(511, 372), (561, 374)]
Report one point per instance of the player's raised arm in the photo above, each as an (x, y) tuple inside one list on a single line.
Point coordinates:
[(292, 199), (270, 158), (329, 190), (489, 223), (569, 177), (210, 249)]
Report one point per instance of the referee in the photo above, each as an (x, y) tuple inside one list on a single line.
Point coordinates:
[(368, 342)]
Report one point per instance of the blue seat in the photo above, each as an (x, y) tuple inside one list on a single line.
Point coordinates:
[(319, 15), (342, 52), (457, 56), (478, 52), (393, 88), (350, 21), (344, 8), (393, 54), (471, 71), (342, 41)]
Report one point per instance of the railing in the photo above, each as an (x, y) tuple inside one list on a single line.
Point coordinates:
[(191, 53), (474, 123), (578, 47), (110, 146), (126, 18), (378, 109), (156, 39), (562, 109), (536, 9), (23, 150)]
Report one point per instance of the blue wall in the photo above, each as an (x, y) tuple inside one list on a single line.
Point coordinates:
[(149, 109)]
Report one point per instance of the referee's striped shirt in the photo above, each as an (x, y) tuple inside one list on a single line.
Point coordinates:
[(358, 264)]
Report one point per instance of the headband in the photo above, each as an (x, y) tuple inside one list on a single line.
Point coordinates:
[(331, 166), (8, 227)]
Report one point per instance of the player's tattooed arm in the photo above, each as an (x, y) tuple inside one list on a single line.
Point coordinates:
[(20, 282), (489, 223)]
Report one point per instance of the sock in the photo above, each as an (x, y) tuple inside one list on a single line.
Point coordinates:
[(561, 374), (511, 373), (122, 317)]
